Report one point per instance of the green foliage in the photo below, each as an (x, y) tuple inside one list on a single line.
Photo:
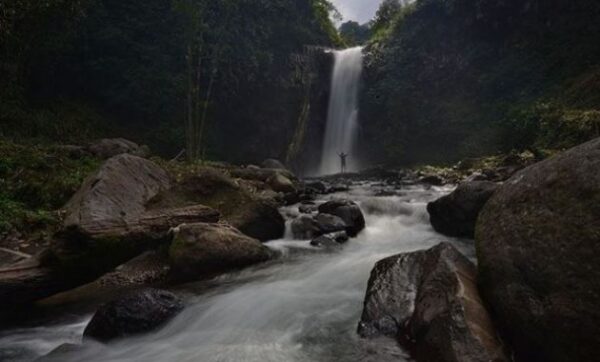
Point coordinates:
[(35, 180), (125, 62), (355, 34), (449, 79)]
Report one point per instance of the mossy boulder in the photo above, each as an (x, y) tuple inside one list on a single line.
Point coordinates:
[(254, 216), (538, 242), (203, 249)]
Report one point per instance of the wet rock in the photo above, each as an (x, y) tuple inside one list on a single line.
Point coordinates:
[(456, 214), (348, 211), (110, 147), (273, 164), (139, 312), (538, 243), (328, 223), (204, 249), (308, 208), (428, 300), (305, 227), (333, 240), (433, 180), (477, 176)]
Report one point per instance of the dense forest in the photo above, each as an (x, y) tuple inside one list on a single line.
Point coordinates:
[(460, 78), (77, 70)]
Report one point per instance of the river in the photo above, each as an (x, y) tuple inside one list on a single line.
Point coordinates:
[(303, 307)]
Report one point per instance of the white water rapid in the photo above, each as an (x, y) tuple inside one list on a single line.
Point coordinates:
[(304, 306), (342, 119)]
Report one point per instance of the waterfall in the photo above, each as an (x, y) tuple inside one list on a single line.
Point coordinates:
[(342, 117)]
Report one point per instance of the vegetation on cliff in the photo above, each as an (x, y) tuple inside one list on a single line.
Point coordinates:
[(452, 79)]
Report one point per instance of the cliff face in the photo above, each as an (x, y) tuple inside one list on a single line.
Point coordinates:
[(459, 78)]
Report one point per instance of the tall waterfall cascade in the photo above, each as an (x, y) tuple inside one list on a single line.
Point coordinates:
[(342, 118)]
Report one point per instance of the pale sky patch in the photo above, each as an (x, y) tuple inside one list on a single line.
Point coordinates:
[(357, 10)]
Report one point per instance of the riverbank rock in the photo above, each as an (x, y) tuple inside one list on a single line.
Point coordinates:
[(348, 211), (204, 249), (456, 214), (273, 164), (111, 219), (25, 282), (538, 244), (429, 300), (139, 312), (110, 147), (255, 217)]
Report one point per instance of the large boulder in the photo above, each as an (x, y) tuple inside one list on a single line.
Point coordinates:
[(429, 301), (348, 211), (259, 219), (538, 245), (456, 214), (111, 219), (110, 147), (255, 217), (203, 249), (139, 312)]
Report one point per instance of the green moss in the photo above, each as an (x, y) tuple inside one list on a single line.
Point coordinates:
[(36, 180)]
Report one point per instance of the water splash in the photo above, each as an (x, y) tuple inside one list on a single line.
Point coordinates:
[(342, 119)]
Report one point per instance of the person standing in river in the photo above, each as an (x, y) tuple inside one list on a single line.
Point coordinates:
[(343, 161)]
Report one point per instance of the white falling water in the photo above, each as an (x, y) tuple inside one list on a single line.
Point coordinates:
[(342, 119)]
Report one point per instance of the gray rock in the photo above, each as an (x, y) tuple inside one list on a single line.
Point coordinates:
[(305, 227), (330, 223), (110, 147), (333, 240), (456, 214), (428, 300), (538, 242), (348, 211), (204, 249)]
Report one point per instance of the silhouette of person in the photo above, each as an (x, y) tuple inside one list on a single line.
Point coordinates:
[(343, 157)]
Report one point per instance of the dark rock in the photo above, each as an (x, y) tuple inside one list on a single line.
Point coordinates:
[(26, 282), (333, 240), (204, 249), (308, 208), (259, 219), (477, 176), (538, 242), (273, 164), (338, 188), (348, 211), (140, 312), (428, 300), (110, 147), (456, 214), (281, 183), (317, 186), (432, 180)]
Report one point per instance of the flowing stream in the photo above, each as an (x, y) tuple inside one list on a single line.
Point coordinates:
[(305, 306), (342, 118)]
